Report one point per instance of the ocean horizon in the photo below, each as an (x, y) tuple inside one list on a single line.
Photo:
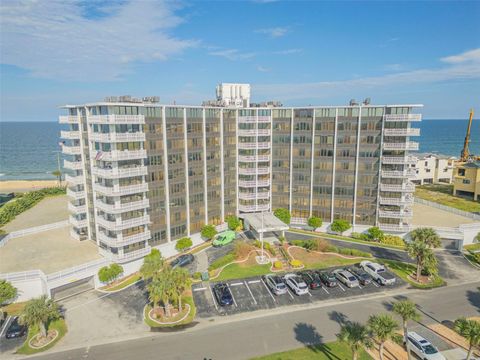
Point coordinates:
[(28, 150)]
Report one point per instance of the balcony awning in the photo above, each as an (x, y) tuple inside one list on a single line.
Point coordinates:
[(264, 222)]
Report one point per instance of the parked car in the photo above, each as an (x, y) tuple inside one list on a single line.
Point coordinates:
[(276, 284), (222, 294), (15, 329), (423, 348), (296, 284), (224, 238), (363, 277), (182, 260), (378, 273), (328, 278), (346, 278), (312, 279)]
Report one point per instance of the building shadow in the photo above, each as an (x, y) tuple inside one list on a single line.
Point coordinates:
[(473, 297), (308, 335)]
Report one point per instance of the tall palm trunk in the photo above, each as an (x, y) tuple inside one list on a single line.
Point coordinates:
[(180, 303), (405, 332), (167, 308), (381, 350), (43, 329), (419, 269), (354, 355), (470, 349)]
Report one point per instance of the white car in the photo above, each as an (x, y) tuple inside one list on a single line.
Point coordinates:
[(423, 348), (346, 278), (296, 284), (378, 273)]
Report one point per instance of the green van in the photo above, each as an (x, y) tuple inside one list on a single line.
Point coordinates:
[(224, 238)]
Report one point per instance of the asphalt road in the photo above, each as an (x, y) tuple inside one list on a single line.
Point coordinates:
[(246, 336)]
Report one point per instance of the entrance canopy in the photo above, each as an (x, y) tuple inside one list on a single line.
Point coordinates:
[(263, 222)]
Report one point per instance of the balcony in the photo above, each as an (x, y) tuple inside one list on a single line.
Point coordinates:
[(408, 145), (253, 158), (72, 165), (124, 240), (247, 119), (263, 195), (409, 187), (403, 117), (247, 196), (408, 173), (71, 134), (68, 119), (116, 119), (391, 214), (117, 137), (122, 258), (253, 208), (263, 182), (396, 201), (77, 209), (253, 183), (122, 224), (402, 132), (71, 150), (395, 227), (74, 180), (120, 208), (407, 160), (78, 236), (247, 171), (116, 172), (76, 194), (120, 190), (118, 155), (255, 132), (254, 145), (264, 119), (78, 223)]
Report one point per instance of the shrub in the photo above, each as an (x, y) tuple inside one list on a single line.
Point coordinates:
[(340, 225), (234, 223), (183, 244), (266, 245), (7, 292), (281, 239), (285, 253), (392, 240), (208, 232), (374, 233), (321, 245), (314, 222), (356, 235), (353, 252), (197, 275), (242, 249), (296, 263), (277, 265), (109, 273), (224, 260), (283, 215)]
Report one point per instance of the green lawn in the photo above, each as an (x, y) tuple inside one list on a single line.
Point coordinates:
[(402, 270), (188, 319), (128, 281), (331, 262), (442, 194), (59, 325), (236, 271), (330, 351), (472, 247)]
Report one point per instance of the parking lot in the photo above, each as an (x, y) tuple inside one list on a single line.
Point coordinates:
[(253, 294)]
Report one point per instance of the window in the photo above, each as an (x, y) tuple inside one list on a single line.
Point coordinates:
[(461, 172), (466, 181)]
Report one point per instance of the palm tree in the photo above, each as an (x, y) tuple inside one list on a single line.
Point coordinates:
[(163, 287), (428, 236), (181, 281), (58, 175), (419, 251), (356, 336), (152, 265), (407, 310), (39, 312), (470, 330), (383, 327), (154, 293)]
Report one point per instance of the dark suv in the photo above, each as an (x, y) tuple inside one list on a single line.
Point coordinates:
[(312, 279), (182, 260), (15, 330)]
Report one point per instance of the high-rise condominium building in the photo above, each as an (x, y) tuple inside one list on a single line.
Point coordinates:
[(144, 174)]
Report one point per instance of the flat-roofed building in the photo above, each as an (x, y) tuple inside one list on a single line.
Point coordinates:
[(467, 180), (433, 168)]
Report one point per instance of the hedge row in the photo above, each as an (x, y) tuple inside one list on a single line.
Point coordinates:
[(10, 210), (224, 260), (324, 246)]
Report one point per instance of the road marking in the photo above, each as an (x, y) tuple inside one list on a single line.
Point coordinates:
[(309, 293), (324, 288), (236, 284), (213, 298), (233, 297), (5, 324), (200, 289), (289, 293), (341, 287), (254, 281), (250, 291), (268, 290), (375, 283)]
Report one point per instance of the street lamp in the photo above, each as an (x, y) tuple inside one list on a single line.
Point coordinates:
[(262, 259)]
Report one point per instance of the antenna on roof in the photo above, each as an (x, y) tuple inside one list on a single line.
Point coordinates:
[(366, 101)]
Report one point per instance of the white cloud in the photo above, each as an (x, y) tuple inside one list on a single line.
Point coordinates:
[(262, 68), (232, 54), (274, 32), (459, 67), (393, 67), (288, 51), (52, 39)]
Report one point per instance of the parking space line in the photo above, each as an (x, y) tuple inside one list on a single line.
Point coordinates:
[(236, 284), (268, 290), (213, 298), (309, 293), (254, 281), (289, 293), (250, 291), (341, 287), (5, 325), (324, 288), (233, 297), (375, 283), (200, 289)]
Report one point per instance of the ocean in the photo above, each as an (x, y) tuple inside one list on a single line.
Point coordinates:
[(28, 150)]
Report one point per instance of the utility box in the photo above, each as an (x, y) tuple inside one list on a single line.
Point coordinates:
[(205, 276)]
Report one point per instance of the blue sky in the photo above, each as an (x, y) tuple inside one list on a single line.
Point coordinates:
[(300, 53)]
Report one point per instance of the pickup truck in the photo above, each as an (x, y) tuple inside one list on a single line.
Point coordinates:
[(378, 273)]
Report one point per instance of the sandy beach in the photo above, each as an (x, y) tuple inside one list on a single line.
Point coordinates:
[(9, 186)]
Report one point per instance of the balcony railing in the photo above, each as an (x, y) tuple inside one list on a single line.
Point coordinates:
[(121, 190), (395, 227), (253, 158), (247, 196), (72, 165), (264, 118), (398, 188), (408, 173), (120, 208), (247, 119), (395, 214), (75, 194), (254, 145), (71, 150), (117, 137), (409, 160), (124, 240), (118, 155), (254, 132), (409, 145), (263, 195), (77, 236), (116, 172), (402, 132), (71, 134), (396, 201), (78, 223), (68, 119), (116, 119), (253, 183), (122, 224), (77, 209), (253, 208), (403, 117), (121, 258), (263, 182), (74, 180), (247, 171)]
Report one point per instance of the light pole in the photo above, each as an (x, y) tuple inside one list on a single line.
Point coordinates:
[(262, 259)]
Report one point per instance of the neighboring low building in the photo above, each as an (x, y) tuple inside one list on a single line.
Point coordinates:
[(467, 180), (433, 168)]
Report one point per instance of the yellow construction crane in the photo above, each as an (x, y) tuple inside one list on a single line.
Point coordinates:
[(465, 154)]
